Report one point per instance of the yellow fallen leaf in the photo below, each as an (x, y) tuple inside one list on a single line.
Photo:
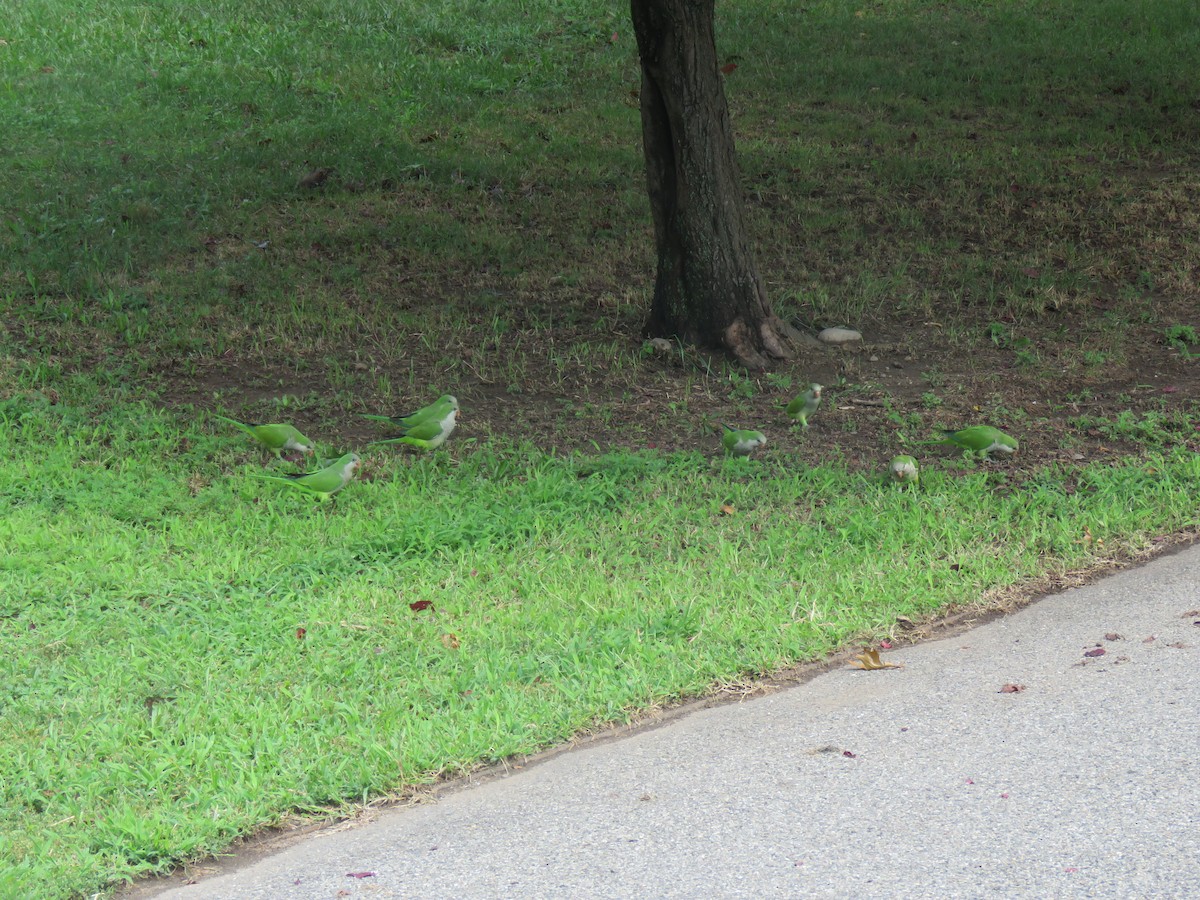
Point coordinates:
[(451, 641), (869, 660)]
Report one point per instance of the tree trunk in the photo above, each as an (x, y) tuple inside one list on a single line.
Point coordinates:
[(707, 290)]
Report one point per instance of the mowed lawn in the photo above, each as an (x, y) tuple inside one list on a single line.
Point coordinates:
[(189, 653)]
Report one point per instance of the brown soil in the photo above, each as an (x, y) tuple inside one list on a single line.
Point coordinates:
[(905, 380)]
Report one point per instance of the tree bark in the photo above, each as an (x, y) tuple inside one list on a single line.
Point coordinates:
[(707, 290)]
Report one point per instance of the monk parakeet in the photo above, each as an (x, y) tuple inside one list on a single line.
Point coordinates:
[(435, 410), (979, 438), (275, 438), (805, 405), (430, 433), (323, 483), (739, 442), (904, 470)]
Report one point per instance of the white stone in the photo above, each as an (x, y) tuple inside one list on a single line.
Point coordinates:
[(839, 336)]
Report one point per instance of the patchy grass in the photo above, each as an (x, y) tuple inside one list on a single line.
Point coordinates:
[(946, 169), (1003, 199)]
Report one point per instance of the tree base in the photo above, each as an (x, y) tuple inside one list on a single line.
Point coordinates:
[(775, 340)]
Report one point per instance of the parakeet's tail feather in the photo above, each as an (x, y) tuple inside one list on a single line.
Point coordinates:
[(284, 479), (248, 428), (391, 420), (270, 478)]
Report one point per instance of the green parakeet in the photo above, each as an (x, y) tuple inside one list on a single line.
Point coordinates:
[(740, 442), (979, 438), (323, 483), (428, 434), (904, 470), (275, 438), (806, 404), (435, 410)]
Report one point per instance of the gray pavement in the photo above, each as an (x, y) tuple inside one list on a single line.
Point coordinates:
[(1084, 784)]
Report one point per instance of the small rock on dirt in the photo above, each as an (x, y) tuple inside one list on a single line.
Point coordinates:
[(839, 336)]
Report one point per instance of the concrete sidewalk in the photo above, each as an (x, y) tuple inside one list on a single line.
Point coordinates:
[(921, 782)]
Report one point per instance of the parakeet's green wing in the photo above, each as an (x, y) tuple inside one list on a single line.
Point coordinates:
[(742, 442), (982, 438), (325, 482), (275, 437), (979, 438), (435, 411), (425, 431)]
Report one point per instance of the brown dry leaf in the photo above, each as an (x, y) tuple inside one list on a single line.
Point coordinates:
[(451, 641), (870, 661), (727, 509)]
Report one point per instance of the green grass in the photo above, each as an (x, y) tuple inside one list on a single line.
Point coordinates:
[(1037, 147), (975, 167), (159, 698)]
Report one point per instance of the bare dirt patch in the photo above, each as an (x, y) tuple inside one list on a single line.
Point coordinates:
[(905, 379)]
